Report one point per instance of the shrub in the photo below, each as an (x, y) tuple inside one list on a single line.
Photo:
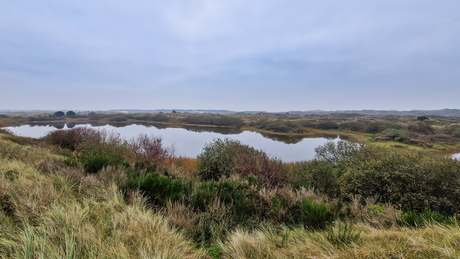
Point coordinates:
[(68, 139), (421, 128), (314, 215), (335, 152), (149, 152), (95, 163), (70, 162), (282, 126), (402, 136), (278, 127), (104, 143), (327, 125), (158, 117), (308, 124), (410, 180), (226, 157), (320, 175), (422, 118), (376, 127), (159, 188), (217, 120), (217, 159), (456, 133), (226, 191), (353, 126), (118, 118)]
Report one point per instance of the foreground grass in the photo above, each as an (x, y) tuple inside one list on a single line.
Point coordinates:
[(49, 210), (64, 214), (434, 241)]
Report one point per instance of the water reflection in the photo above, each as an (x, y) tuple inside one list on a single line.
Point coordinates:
[(189, 141), (59, 125), (284, 139)]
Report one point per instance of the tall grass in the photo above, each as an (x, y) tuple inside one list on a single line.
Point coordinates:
[(142, 202), (67, 214), (434, 241)]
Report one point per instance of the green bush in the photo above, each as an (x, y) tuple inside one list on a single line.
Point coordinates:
[(352, 126), (422, 118), (314, 215), (376, 127), (104, 143), (298, 175), (456, 133), (327, 125), (118, 118), (217, 120), (320, 175), (160, 188), (282, 126), (333, 152), (226, 157), (70, 162), (413, 219), (217, 159), (410, 180), (95, 163), (399, 135), (226, 191)]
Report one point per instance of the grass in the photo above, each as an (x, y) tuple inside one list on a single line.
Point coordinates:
[(434, 241), (65, 214), (50, 208)]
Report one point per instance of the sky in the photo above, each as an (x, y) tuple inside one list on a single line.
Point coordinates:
[(239, 55)]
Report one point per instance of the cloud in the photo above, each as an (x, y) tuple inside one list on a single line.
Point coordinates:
[(190, 54)]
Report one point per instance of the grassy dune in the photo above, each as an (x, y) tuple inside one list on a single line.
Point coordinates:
[(52, 211), (49, 209)]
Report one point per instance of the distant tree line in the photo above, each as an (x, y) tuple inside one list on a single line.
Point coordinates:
[(217, 120)]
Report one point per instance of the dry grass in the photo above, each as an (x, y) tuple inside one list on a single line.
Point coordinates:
[(50, 211), (182, 166), (432, 242)]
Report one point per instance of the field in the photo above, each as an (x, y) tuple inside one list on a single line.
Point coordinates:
[(82, 193)]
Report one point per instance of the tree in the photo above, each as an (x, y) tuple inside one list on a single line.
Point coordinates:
[(422, 118), (59, 114), (70, 114)]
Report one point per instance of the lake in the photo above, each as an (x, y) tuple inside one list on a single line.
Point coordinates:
[(189, 142)]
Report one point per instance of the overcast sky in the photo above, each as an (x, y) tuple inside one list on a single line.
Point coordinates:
[(236, 55)]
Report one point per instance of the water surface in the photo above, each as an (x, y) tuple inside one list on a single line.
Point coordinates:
[(190, 142)]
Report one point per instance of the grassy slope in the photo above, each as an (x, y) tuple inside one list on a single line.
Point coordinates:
[(51, 211), (430, 242)]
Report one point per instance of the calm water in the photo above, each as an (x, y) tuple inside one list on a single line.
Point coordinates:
[(190, 142)]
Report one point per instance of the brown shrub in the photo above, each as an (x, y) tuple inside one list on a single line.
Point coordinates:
[(149, 152)]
